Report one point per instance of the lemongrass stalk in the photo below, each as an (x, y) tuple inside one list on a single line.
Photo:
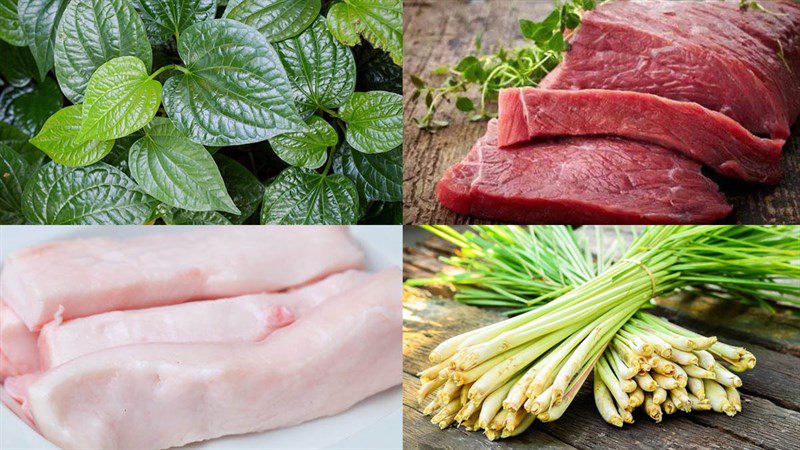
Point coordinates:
[(724, 377), (427, 388), (557, 410), (608, 378), (660, 395), (432, 373), (494, 402), (635, 342), (705, 359), (621, 368), (629, 356), (628, 386), (463, 394), (605, 403), (447, 414), (552, 364), (660, 346), (683, 358), (541, 402), (661, 366), (637, 397), (728, 352), (697, 372), (499, 419), (651, 324), (718, 398), (733, 398), (698, 341), (680, 376), (432, 407), (626, 415), (739, 366), (668, 406), (698, 404), (492, 435), (665, 382), (652, 408), (513, 419), (526, 422), (696, 387), (646, 382), (448, 391), (517, 396), (470, 376), (680, 398)]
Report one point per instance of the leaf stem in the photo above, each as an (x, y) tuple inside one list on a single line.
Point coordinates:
[(168, 67), (328, 164)]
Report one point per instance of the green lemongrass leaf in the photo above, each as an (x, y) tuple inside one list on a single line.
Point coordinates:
[(91, 33), (378, 177), (14, 173), (307, 148), (120, 98), (39, 19), (303, 196), (10, 27), (228, 99), (374, 121), (322, 70), (380, 23), (165, 19), (27, 108), (18, 66), (96, 194), (178, 172), (275, 19), (244, 188), (58, 139)]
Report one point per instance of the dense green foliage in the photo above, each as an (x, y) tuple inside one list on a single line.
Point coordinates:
[(200, 112)]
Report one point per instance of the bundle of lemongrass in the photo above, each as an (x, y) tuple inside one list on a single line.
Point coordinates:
[(656, 364), (502, 377)]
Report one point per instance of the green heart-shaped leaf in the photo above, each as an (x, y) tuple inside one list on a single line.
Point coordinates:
[(58, 139), (229, 98), (306, 148), (120, 99), (28, 107), (303, 196), (39, 19), (176, 216), (377, 176), (177, 171), (164, 19), (243, 187), (374, 121), (18, 141), (96, 194), (275, 19), (10, 26), (380, 22), (14, 173), (321, 69), (91, 33)]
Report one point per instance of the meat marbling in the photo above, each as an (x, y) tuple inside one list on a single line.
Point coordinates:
[(580, 180), (699, 133), (81, 277), (165, 395)]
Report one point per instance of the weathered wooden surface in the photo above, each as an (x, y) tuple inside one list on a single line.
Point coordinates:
[(770, 393), (439, 32)]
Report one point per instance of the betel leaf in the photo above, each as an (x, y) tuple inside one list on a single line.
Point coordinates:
[(177, 171), (303, 196), (322, 70), (18, 141), (377, 177), (235, 97), (96, 194), (58, 139), (243, 187), (28, 107), (307, 148), (177, 216), (120, 99), (92, 32), (18, 67), (374, 121), (14, 173), (164, 19), (118, 156), (379, 21), (10, 26), (39, 19), (275, 19)]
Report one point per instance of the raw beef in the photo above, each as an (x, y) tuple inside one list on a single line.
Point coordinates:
[(743, 64), (248, 318), (78, 278), (165, 395), (699, 133), (580, 180), (18, 351)]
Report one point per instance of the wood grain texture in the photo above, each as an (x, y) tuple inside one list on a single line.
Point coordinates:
[(440, 33), (770, 393)]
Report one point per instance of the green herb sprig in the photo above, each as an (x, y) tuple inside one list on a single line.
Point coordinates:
[(490, 72)]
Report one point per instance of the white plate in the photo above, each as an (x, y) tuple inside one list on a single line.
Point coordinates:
[(375, 423)]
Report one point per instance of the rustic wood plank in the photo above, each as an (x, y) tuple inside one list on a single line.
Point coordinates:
[(441, 32)]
